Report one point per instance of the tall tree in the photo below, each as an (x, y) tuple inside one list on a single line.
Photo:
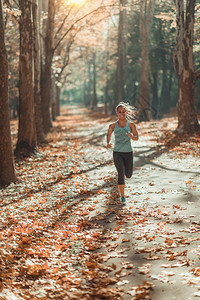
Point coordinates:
[(94, 95), (47, 70), (106, 72), (37, 68), (89, 86), (146, 13), (7, 170), (183, 64), (26, 142), (121, 62)]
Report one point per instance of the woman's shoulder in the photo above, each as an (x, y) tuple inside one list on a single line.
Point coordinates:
[(131, 123), (112, 125)]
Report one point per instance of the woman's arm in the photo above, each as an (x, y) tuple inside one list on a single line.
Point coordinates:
[(133, 134), (109, 133)]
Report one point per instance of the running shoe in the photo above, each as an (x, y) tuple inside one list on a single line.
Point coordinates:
[(123, 200)]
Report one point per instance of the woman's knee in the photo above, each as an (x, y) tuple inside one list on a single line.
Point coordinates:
[(121, 179), (129, 173)]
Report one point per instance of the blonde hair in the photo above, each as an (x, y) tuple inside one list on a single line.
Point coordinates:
[(130, 110)]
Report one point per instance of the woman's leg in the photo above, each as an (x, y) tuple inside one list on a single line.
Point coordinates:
[(121, 189), (128, 164), (119, 164)]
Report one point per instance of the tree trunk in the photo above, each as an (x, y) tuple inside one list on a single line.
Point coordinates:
[(121, 67), (26, 143), (106, 96), (7, 170), (37, 65), (146, 12), (46, 76), (94, 97), (155, 102), (53, 98), (106, 74), (57, 100), (89, 98), (165, 97), (183, 65), (122, 56)]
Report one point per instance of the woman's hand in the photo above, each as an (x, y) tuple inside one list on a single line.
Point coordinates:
[(109, 145), (130, 135)]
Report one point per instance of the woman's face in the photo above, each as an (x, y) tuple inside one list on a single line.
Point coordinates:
[(121, 113)]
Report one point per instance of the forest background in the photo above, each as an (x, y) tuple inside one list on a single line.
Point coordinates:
[(62, 232), (94, 53)]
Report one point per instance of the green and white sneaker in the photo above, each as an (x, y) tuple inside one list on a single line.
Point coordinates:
[(123, 200)]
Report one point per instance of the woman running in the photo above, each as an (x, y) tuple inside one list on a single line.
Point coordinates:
[(124, 131)]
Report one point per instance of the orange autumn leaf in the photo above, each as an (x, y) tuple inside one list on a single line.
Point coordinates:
[(161, 224), (125, 240), (117, 228), (168, 241), (188, 182), (195, 271), (172, 257), (176, 206), (95, 201), (45, 266), (73, 238)]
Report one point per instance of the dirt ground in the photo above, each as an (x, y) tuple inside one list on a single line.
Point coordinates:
[(150, 247)]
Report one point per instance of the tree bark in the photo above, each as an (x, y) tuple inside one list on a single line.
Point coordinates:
[(94, 96), (89, 87), (57, 100), (53, 98), (183, 65), (122, 56), (37, 66), (155, 101), (26, 143), (165, 92), (106, 73), (7, 170), (146, 12), (46, 76)]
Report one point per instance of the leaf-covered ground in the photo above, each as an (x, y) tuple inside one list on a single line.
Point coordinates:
[(65, 235)]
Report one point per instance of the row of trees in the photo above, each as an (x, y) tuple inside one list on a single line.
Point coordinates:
[(147, 65), (38, 33), (42, 42)]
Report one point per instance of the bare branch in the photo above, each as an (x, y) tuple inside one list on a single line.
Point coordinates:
[(63, 22), (77, 21)]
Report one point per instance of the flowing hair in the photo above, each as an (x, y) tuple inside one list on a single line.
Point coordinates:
[(130, 110)]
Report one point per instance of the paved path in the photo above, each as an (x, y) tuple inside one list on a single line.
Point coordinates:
[(152, 243), (147, 249)]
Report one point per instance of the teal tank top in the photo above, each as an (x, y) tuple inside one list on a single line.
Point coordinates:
[(122, 141)]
